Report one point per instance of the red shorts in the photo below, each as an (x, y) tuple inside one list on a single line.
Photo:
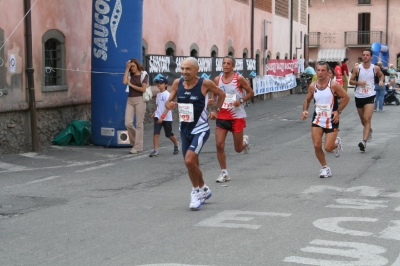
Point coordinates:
[(234, 125)]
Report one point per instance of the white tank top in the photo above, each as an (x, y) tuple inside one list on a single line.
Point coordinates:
[(325, 104), (367, 75)]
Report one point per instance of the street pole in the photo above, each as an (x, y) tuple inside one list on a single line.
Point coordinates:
[(29, 75), (291, 28)]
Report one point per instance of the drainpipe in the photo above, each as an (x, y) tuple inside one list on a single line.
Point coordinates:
[(252, 30), (387, 22), (291, 28), (29, 75)]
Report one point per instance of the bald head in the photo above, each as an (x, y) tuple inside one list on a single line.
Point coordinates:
[(192, 61)]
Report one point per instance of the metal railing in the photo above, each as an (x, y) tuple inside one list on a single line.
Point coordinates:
[(314, 39), (362, 38)]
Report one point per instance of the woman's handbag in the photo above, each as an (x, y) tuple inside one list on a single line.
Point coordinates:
[(148, 94)]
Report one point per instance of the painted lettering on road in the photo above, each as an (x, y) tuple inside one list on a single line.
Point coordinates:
[(360, 204), (219, 219), (365, 191), (331, 225), (365, 254), (392, 231)]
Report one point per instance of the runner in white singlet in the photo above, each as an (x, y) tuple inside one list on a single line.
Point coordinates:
[(363, 77), (326, 115)]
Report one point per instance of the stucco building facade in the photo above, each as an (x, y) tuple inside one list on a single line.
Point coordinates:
[(61, 51), (342, 28)]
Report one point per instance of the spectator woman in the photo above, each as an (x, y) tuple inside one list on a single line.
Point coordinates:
[(135, 106)]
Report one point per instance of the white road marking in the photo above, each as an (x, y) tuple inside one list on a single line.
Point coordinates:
[(391, 232), (94, 168), (360, 204), (42, 180), (394, 195), (366, 254), (36, 155), (365, 191), (331, 225), (218, 220), (12, 167), (397, 262)]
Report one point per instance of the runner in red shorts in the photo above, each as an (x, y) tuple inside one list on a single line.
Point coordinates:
[(231, 117)]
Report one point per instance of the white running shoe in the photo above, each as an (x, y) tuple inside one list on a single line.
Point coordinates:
[(206, 194), (325, 172), (246, 140), (339, 149), (195, 199), (223, 177)]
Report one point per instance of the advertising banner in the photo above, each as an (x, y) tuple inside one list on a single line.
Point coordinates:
[(209, 67), (269, 83), (282, 67)]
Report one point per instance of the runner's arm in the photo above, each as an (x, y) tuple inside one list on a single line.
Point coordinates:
[(245, 85), (353, 80), (216, 92), (338, 90), (170, 104), (306, 102)]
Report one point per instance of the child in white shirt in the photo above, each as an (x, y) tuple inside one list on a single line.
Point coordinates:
[(162, 118)]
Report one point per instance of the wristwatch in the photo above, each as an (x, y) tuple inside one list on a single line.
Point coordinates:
[(339, 111), (241, 100), (217, 109)]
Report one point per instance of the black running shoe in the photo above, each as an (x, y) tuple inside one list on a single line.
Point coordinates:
[(362, 145)]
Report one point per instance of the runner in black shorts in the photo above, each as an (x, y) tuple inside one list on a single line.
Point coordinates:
[(365, 76)]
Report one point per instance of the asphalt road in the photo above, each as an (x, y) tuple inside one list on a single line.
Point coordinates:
[(96, 206)]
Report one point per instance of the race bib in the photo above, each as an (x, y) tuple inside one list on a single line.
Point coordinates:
[(186, 113), (229, 100), (366, 89), (323, 110)]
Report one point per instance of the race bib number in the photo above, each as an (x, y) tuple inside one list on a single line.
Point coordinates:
[(186, 113), (229, 100), (366, 89), (323, 110)]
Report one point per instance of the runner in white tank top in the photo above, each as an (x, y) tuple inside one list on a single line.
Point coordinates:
[(363, 77), (231, 117), (325, 104), (326, 115)]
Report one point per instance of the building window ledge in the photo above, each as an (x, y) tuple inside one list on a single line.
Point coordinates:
[(54, 88)]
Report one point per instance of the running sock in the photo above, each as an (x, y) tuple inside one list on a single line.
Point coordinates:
[(224, 170), (205, 188), (325, 166), (196, 188)]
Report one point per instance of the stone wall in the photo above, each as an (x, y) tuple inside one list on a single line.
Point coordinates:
[(15, 131)]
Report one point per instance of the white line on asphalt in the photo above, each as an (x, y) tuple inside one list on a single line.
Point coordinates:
[(94, 168), (11, 167), (42, 180), (36, 155)]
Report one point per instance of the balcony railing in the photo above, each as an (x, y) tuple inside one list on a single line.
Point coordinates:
[(362, 38), (314, 39)]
